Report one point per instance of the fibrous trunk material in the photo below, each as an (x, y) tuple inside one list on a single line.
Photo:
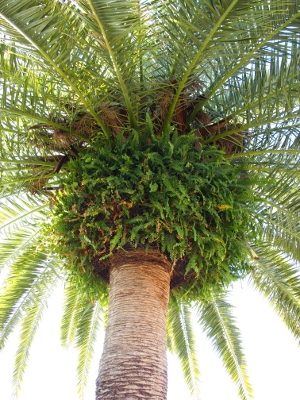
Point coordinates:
[(134, 364)]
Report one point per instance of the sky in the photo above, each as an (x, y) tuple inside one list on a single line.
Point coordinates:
[(273, 358)]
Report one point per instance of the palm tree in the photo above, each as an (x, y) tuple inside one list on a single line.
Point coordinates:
[(152, 148)]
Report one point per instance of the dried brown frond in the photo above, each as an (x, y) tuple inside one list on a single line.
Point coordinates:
[(234, 142), (86, 126), (202, 118), (159, 110), (114, 118), (63, 140), (37, 185)]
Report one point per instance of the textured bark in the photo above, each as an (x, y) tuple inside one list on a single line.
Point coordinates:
[(134, 363)]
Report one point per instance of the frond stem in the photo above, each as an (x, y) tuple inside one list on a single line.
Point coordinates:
[(132, 118), (193, 63), (61, 73)]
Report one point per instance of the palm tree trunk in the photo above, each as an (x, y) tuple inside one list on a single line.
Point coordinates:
[(134, 363)]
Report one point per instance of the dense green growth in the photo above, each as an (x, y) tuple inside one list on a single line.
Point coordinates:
[(173, 124), (155, 190)]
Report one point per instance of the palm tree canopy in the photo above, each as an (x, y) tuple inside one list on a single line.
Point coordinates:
[(149, 122)]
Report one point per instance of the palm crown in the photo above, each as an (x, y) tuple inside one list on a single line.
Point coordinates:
[(157, 96)]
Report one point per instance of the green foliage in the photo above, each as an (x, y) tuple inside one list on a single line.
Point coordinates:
[(219, 325), (278, 279), (74, 75), (181, 341), (155, 190)]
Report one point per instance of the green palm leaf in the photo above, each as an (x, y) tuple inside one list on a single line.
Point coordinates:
[(26, 265), (219, 325), (88, 326), (80, 324), (28, 276), (278, 211), (115, 19), (74, 303), (73, 73), (18, 213), (30, 322), (277, 278), (182, 342), (70, 317), (28, 24)]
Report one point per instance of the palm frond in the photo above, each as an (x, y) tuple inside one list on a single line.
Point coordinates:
[(20, 212), (72, 71), (27, 277), (116, 19), (39, 37), (30, 322), (279, 209), (86, 335), (220, 18), (255, 99), (70, 317), (182, 342), (278, 279), (17, 243), (124, 50), (237, 38), (272, 40), (80, 323), (217, 321)]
